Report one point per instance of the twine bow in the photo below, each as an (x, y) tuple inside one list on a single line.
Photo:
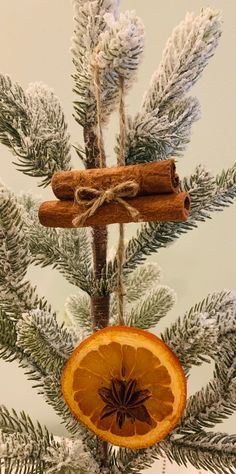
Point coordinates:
[(97, 198)]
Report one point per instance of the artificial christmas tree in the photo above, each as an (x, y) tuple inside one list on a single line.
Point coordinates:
[(107, 47)]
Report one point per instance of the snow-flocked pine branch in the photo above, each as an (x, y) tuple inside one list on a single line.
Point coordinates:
[(153, 137), (17, 294), (65, 250), (30, 448), (141, 281), (46, 347), (137, 284), (215, 452), (207, 193), (185, 56), (149, 310), (208, 331), (8, 337), (78, 312), (44, 342), (204, 450), (32, 125), (114, 44), (23, 444), (214, 403), (41, 348), (195, 337), (70, 457), (163, 125)]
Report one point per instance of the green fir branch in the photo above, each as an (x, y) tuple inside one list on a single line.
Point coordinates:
[(51, 389), (157, 137), (79, 313), (127, 461), (148, 312), (187, 52), (32, 125), (17, 294), (208, 331), (116, 44), (44, 342), (8, 338), (137, 284), (23, 444), (195, 337), (215, 452), (208, 194), (162, 128), (70, 457), (213, 404), (67, 250), (141, 281)]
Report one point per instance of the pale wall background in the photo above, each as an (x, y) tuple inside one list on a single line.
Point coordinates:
[(34, 46)]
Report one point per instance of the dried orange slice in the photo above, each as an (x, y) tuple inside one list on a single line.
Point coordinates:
[(126, 386)]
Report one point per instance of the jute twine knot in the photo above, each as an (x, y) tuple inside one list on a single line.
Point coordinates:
[(94, 198)]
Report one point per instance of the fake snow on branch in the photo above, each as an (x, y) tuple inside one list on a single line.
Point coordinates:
[(153, 137), (196, 337), (207, 331), (30, 448), (110, 5), (116, 47), (208, 194), (67, 251), (69, 456), (214, 452), (32, 125), (186, 54), (17, 294)]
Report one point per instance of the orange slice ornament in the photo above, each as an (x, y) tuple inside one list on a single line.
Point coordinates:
[(126, 386)]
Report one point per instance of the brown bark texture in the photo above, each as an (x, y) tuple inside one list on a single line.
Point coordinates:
[(164, 207), (153, 178), (99, 304)]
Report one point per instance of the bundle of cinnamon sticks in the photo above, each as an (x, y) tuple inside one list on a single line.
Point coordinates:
[(157, 196)]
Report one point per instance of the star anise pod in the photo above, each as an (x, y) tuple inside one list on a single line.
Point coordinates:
[(124, 400)]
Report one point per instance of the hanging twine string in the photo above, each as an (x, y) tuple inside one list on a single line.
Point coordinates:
[(94, 198), (121, 245), (97, 84)]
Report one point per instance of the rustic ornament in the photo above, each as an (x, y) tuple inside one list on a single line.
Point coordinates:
[(126, 386)]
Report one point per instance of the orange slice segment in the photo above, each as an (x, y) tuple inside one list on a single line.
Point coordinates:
[(126, 386)]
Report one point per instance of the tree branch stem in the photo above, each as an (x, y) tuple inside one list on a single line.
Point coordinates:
[(99, 304)]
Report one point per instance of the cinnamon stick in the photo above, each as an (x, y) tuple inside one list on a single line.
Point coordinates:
[(153, 178), (165, 207)]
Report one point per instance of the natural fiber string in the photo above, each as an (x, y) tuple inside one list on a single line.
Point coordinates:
[(97, 197), (128, 189), (97, 84), (121, 245)]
